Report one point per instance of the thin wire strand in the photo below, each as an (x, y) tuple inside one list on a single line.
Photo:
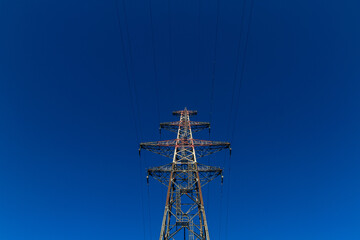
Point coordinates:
[(199, 40), (148, 193), (127, 71), (236, 110), (212, 76), (230, 117), (154, 60), (228, 200), (243, 68), (221, 205), (132, 67), (214, 60), (170, 43), (131, 100), (229, 125), (142, 195)]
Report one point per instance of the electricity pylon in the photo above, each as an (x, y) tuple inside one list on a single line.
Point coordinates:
[(184, 177)]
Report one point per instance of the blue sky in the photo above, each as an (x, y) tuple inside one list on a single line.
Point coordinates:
[(69, 163)]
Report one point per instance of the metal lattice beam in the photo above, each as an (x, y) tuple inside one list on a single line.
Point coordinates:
[(174, 126), (202, 147), (162, 173)]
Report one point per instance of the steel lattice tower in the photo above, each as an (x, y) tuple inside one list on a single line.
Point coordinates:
[(184, 177)]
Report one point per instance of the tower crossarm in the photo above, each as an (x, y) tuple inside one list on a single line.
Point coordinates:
[(163, 173), (208, 173), (203, 147), (183, 112), (174, 126)]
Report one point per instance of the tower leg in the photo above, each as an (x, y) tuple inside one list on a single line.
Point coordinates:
[(201, 208), (166, 217)]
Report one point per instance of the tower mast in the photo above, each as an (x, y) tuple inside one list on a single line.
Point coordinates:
[(184, 177)]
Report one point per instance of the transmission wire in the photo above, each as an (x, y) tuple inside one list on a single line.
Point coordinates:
[(200, 61), (213, 73), (228, 201), (236, 68), (141, 190), (154, 60), (221, 203), (199, 40), (237, 106), (230, 115), (214, 60), (170, 43), (127, 72), (131, 100), (148, 195), (243, 66), (131, 64)]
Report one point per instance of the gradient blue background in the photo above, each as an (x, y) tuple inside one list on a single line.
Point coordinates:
[(69, 164)]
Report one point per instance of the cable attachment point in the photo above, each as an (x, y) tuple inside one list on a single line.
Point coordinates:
[(222, 179), (230, 150), (147, 179)]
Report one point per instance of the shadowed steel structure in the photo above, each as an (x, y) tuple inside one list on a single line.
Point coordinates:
[(184, 215)]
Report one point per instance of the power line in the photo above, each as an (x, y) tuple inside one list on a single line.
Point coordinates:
[(230, 115), (213, 74), (170, 43), (127, 70), (238, 102), (148, 195), (154, 60), (132, 66), (236, 67), (228, 200), (221, 204), (243, 67), (199, 40), (214, 60), (127, 74), (142, 196)]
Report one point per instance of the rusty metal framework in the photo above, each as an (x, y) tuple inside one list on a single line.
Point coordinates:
[(184, 177)]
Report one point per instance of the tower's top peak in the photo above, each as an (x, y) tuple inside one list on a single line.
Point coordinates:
[(189, 112)]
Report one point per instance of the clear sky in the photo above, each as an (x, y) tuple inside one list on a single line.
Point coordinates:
[(71, 123)]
